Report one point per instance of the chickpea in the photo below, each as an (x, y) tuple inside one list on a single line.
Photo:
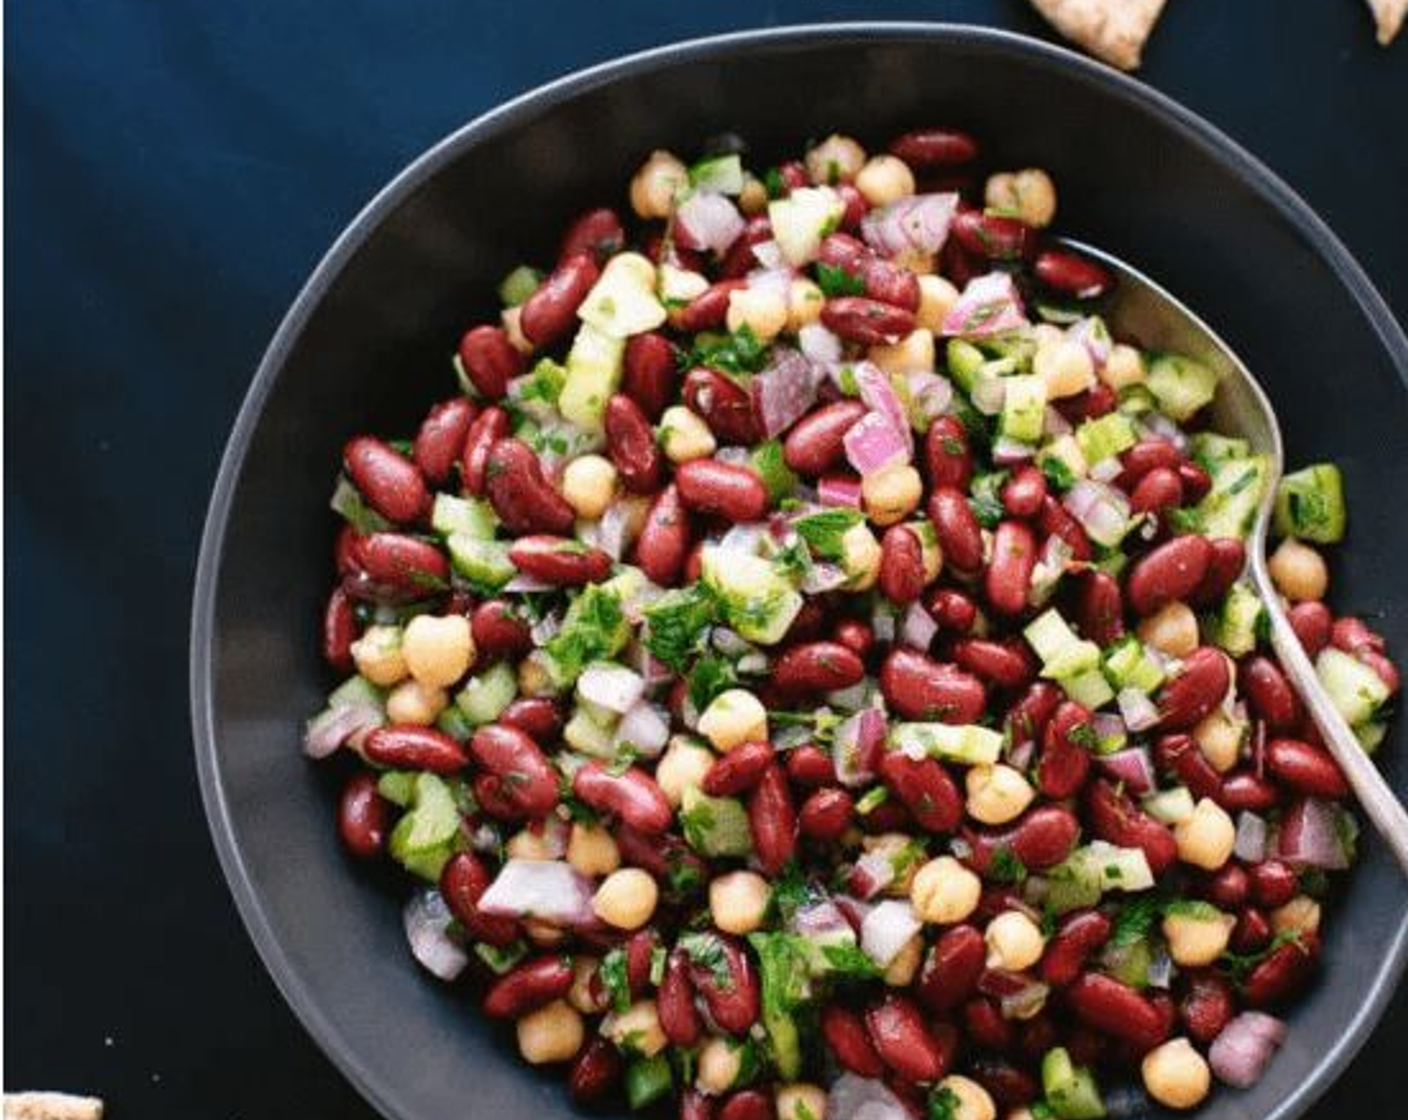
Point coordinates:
[(837, 159), (738, 901), (1018, 1114), (512, 319), (974, 1102), (885, 179), (1205, 839), (534, 678), (900, 972), (657, 183), (1175, 1074), (682, 767), (1219, 737), (685, 436), (1300, 915), (580, 994), (626, 898), (733, 718), (379, 656), (637, 1029), (762, 310), (1197, 939), (1028, 195), (592, 850), (412, 702), (753, 198), (439, 649), (1065, 366), (589, 485), (1014, 941), (997, 794), (720, 1062), (543, 934), (681, 285), (860, 558), (912, 354), (801, 1101), (936, 297), (550, 1034), (1047, 334), (1298, 571), (1172, 629), (804, 303), (944, 891), (891, 495), (1124, 367), (530, 844)]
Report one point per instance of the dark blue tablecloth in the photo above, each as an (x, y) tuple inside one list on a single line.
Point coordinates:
[(174, 170)]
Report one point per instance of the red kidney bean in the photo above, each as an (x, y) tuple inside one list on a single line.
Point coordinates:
[(1243, 790), (740, 258), (1100, 608), (957, 529), (1196, 481), (817, 667), (1269, 694), (1352, 636), (400, 564), (1305, 768), (561, 561), (883, 279), (733, 492), (733, 1002), (808, 765), (951, 968), (549, 312), (1383, 668), (530, 782), (890, 816), (902, 575), (918, 687), (986, 1026), (1227, 888), (1088, 405), (1181, 755), (1252, 933), (1023, 493), (1009, 573), (866, 321), (826, 814), (1116, 819), (487, 429), (498, 631), (724, 405), (1197, 689), (855, 635), (1285, 969), (675, 1003), (649, 373), (954, 611), (902, 1041), (522, 497), (815, 445), (772, 819), (596, 234), (632, 795), (1005, 663), (1042, 837), (1206, 1007), (1117, 1009), (406, 747), (665, 539), (528, 986), (463, 881), (535, 716), (1072, 274), (1145, 456), (694, 1105), (748, 1104), (630, 441), (1273, 883), (491, 794), (441, 438), (640, 959), (363, 817), (1037, 1035), (959, 265), (594, 1071), (1064, 764), (1027, 718), (1225, 564), (1159, 490), (1172, 571), (845, 1033), (339, 631), (1078, 936), (387, 479), (925, 788), (947, 455), (935, 147), (810, 623), (708, 310), (995, 237), (739, 770), (1055, 520), (344, 551), (856, 207), (490, 361), (1008, 1085)]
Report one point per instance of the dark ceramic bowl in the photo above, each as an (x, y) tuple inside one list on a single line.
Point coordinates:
[(365, 346)]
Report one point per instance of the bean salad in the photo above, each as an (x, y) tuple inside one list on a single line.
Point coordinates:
[(807, 671)]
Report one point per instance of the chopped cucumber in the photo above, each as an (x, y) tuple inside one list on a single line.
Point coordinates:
[(648, 1080), (1357, 691), (1128, 665), (454, 723), (518, 285), (970, 743), (1024, 407), (622, 302), (594, 367), (1227, 510), (470, 517), (1105, 436), (1234, 627), (1063, 654), (586, 733), (715, 826), (397, 786), (1070, 1090), (965, 362), (357, 691), (720, 174), (1089, 688), (485, 695), (1210, 448), (802, 219), (1129, 964), (1180, 385), (758, 600), (484, 562), (1310, 504), (1091, 870)]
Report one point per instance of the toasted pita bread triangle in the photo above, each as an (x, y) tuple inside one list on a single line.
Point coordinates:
[(51, 1106), (1112, 30), (1388, 15)]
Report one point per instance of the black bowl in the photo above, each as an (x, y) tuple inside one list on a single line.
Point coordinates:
[(366, 346)]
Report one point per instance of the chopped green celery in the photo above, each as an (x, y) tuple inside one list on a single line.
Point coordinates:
[(423, 838), (1228, 509), (1128, 665), (1310, 504), (1129, 964), (1063, 654), (720, 174), (1016, 348), (357, 691), (1070, 1090), (772, 468), (1066, 451), (1023, 407), (518, 285), (397, 786), (1234, 627), (485, 695), (347, 501), (715, 826), (965, 362), (470, 517), (1089, 871), (1135, 400), (483, 562), (1210, 448), (757, 600), (500, 959), (586, 733), (648, 1080), (1180, 385), (784, 965), (1355, 689), (594, 367), (1370, 735), (802, 219), (1089, 687), (1105, 436), (1169, 806), (454, 723), (970, 743), (594, 629), (621, 303)]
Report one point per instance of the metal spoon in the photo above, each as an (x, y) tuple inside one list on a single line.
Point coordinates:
[(1140, 309)]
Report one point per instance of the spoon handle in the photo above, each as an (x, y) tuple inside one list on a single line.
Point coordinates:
[(1373, 792)]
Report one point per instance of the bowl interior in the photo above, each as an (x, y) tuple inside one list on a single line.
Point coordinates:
[(367, 348)]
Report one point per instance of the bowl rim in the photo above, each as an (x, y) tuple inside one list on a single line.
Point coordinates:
[(509, 114)]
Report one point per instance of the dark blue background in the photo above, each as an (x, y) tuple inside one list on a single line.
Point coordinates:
[(174, 172)]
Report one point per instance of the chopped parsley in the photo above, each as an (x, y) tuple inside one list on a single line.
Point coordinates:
[(615, 981), (943, 1104), (823, 531), (711, 676), (1134, 922), (677, 623), (1006, 866), (1059, 476), (847, 959), (836, 281), (595, 629), (739, 352), (985, 498), (706, 951)]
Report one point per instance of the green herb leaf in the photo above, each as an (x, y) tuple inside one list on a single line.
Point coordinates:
[(823, 531), (1006, 866), (705, 950), (677, 622), (1059, 476), (1135, 920), (739, 352), (943, 1104), (985, 498), (836, 281), (615, 980), (846, 959), (711, 676)]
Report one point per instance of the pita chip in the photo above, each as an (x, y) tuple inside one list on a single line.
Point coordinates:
[(1388, 15), (51, 1106), (1112, 30)]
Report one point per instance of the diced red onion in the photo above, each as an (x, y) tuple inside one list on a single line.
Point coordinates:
[(861, 1098), (614, 687), (524, 582), (1102, 511), (1241, 1053), (823, 577), (1107, 469), (1019, 755), (1159, 426), (930, 396), (878, 395), (988, 395), (873, 872), (1309, 836), (1132, 766), (989, 305), (778, 281), (1018, 995), (1092, 333), (644, 728), (784, 391), (1054, 424), (1160, 971), (614, 535), (918, 627), (820, 922), (549, 890), (769, 255), (1249, 844), (1107, 725), (427, 921), (873, 444), (819, 344), (1136, 709), (856, 747), (729, 642), (1051, 565), (839, 491), (707, 221), (919, 222), (346, 723), (887, 929), (1007, 452)]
